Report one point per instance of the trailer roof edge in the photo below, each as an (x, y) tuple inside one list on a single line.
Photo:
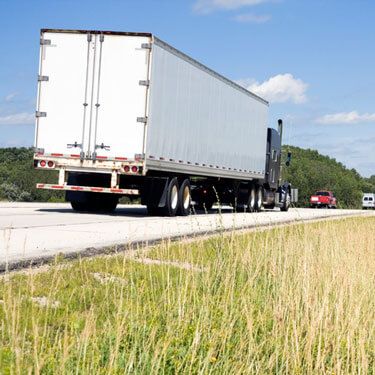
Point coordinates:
[(177, 52), (105, 32)]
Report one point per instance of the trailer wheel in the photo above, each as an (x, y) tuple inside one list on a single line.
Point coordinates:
[(184, 198), (252, 199), (79, 206), (95, 204), (172, 199), (259, 199)]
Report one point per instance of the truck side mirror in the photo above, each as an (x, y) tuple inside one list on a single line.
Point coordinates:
[(288, 159)]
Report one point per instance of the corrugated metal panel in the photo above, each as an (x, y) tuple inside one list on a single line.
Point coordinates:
[(200, 119)]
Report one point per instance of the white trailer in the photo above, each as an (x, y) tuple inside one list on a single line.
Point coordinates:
[(127, 114)]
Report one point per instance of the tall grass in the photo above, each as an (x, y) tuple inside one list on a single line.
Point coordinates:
[(298, 299)]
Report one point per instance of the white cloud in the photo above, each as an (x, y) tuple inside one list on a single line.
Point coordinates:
[(252, 18), (10, 96), (22, 118), (345, 118), (278, 89), (207, 6)]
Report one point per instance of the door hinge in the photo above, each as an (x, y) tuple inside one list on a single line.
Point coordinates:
[(89, 37), (146, 45), (142, 119), (101, 39), (45, 42), (43, 78), (144, 82), (103, 147), (74, 145), (40, 114)]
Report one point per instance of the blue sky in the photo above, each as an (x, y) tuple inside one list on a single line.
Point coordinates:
[(314, 60)]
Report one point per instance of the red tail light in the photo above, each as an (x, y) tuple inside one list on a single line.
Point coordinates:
[(51, 164), (42, 163), (134, 169), (126, 169)]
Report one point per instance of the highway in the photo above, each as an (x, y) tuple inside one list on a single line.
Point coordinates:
[(39, 231)]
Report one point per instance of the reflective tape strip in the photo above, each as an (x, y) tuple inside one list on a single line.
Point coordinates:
[(76, 156), (88, 189)]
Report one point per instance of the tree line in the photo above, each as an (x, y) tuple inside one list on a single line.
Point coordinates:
[(309, 171)]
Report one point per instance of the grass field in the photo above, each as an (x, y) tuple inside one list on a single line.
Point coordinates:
[(298, 299)]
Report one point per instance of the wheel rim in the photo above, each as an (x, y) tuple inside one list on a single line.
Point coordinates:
[(174, 197), (260, 198), (287, 201), (186, 197), (252, 199)]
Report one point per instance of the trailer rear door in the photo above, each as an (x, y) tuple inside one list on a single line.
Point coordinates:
[(63, 89), (121, 94), (90, 96)]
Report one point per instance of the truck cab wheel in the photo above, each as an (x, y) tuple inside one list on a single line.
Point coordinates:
[(252, 200), (286, 204), (184, 200), (259, 199)]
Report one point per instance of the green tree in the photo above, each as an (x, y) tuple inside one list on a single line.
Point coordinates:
[(310, 171)]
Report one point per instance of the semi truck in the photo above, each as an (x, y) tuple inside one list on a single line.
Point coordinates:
[(126, 114)]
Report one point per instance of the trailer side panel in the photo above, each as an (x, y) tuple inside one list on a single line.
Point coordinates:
[(201, 123)]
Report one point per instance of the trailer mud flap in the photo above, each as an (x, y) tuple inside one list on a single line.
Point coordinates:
[(154, 191)]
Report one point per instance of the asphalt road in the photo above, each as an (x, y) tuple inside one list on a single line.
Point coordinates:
[(34, 231)]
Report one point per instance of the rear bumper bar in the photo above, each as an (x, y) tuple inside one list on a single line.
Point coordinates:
[(91, 189)]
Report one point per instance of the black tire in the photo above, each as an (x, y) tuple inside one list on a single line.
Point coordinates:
[(269, 206), (172, 199), (79, 206), (286, 203), (259, 199), (251, 200), (184, 198), (107, 204), (99, 204)]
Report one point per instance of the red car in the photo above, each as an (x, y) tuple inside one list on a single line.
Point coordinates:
[(323, 199)]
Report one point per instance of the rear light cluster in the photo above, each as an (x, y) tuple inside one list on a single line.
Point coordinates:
[(131, 169), (46, 164)]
